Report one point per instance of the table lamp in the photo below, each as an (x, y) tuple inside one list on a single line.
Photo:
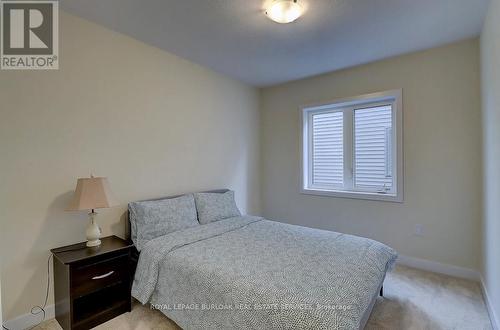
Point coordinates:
[(90, 194)]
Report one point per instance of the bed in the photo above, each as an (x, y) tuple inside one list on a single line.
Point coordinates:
[(246, 272)]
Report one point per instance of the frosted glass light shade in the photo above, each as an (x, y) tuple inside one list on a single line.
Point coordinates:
[(284, 11)]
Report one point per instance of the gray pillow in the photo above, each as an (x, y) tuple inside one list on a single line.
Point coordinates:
[(151, 219), (215, 206)]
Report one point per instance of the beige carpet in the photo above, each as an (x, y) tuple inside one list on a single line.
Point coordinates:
[(413, 299)]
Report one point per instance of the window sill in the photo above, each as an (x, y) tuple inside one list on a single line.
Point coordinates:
[(355, 195)]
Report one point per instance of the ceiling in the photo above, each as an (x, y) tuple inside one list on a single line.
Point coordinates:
[(235, 38)]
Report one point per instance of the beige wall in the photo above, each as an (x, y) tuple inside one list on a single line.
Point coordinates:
[(490, 81), (153, 123), (442, 151)]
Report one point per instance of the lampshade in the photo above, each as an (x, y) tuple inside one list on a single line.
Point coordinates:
[(92, 193)]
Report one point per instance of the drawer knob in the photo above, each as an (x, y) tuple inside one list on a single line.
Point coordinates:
[(103, 276)]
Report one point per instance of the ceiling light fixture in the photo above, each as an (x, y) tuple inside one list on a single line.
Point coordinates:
[(284, 11)]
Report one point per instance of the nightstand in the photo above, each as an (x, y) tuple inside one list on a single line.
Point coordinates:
[(92, 284)]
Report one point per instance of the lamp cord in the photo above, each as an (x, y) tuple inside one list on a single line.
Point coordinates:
[(37, 309)]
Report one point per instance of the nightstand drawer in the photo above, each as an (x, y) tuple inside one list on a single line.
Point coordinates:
[(92, 277)]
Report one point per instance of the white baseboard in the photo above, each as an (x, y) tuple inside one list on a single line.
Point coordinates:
[(28, 320), (438, 267), (495, 321)]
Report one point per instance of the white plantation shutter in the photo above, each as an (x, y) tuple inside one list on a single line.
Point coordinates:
[(327, 149), (373, 148), (388, 152)]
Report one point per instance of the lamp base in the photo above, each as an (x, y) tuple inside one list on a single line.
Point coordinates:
[(96, 242), (93, 231)]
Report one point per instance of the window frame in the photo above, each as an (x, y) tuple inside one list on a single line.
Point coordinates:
[(347, 106)]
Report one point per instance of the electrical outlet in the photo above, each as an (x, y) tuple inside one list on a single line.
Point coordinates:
[(419, 230)]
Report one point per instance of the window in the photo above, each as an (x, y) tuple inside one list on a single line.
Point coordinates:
[(353, 148)]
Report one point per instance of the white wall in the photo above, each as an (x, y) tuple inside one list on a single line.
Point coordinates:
[(442, 151), (153, 123), (490, 63), (1, 318)]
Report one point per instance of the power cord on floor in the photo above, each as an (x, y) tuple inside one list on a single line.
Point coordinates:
[(36, 310)]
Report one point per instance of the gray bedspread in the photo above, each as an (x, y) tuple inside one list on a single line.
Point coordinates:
[(250, 273)]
